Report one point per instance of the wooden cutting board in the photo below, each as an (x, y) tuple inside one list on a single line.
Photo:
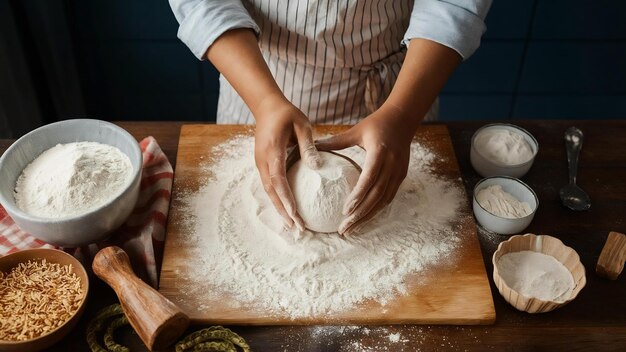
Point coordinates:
[(454, 292)]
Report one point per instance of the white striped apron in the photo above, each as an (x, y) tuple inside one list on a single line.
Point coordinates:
[(335, 60)]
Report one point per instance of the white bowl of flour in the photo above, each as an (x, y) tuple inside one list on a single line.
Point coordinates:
[(504, 205), (72, 182), (502, 149)]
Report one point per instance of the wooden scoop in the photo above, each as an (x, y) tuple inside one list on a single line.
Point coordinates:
[(611, 261), (157, 320)]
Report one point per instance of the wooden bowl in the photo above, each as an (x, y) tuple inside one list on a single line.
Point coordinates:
[(53, 256), (294, 156), (543, 244)]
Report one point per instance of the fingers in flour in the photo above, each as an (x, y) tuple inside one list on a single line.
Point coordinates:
[(370, 177), (373, 198), (337, 142), (371, 167), (278, 180), (391, 190), (380, 193), (308, 152), (269, 190)]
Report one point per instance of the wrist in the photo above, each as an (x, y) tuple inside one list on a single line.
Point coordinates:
[(268, 103), (399, 115)]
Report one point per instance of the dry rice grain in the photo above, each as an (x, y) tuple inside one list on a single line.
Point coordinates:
[(36, 298)]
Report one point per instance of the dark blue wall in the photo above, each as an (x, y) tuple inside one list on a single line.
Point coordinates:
[(545, 59), (539, 59)]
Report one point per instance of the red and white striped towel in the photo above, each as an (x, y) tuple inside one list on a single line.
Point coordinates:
[(142, 235)]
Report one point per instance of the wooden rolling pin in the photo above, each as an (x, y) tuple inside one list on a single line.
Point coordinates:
[(611, 261), (157, 320)]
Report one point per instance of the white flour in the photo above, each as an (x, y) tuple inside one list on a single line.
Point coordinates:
[(72, 179), (503, 146), (500, 203), (394, 337), (536, 275), (242, 250), (320, 193)]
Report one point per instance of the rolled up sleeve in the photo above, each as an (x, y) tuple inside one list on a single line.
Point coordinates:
[(203, 21), (457, 24)]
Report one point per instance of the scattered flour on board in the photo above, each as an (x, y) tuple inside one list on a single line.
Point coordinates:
[(242, 250)]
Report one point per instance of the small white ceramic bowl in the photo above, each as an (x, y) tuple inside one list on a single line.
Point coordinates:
[(80, 230), (487, 167), (498, 224)]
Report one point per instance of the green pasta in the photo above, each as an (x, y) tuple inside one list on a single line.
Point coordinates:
[(98, 324), (214, 338), (214, 346), (108, 336), (204, 337)]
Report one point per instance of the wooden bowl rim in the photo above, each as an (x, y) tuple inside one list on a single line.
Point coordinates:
[(579, 286), (294, 156), (33, 254)]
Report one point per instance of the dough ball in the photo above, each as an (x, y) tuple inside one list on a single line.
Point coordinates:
[(320, 194)]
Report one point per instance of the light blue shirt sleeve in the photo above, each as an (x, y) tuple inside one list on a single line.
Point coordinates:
[(457, 24), (203, 21)]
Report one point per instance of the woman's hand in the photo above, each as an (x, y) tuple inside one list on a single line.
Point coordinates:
[(386, 138), (387, 133), (279, 124)]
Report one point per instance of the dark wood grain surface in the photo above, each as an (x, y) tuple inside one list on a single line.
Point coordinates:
[(595, 321)]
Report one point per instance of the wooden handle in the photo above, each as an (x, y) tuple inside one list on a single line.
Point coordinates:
[(611, 261), (157, 320)]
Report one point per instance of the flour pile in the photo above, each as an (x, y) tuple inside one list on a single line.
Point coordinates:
[(501, 203), (503, 146), (320, 194), (72, 179), (243, 251), (536, 275)]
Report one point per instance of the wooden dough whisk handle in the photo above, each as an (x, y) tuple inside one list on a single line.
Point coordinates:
[(613, 256)]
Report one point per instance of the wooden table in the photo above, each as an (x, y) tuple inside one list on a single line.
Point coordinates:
[(595, 321)]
